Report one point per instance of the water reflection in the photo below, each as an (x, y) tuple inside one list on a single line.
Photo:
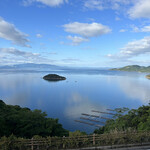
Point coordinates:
[(19, 99), (15, 89), (13, 81), (136, 88), (67, 100), (78, 104)]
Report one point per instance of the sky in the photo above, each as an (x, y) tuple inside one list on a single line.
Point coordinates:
[(77, 33)]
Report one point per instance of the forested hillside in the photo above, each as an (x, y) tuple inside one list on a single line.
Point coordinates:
[(134, 119), (135, 68), (23, 122)]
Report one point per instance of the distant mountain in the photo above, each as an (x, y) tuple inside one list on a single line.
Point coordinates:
[(32, 66), (133, 68)]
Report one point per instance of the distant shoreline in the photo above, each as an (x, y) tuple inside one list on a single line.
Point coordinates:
[(133, 68), (148, 76)]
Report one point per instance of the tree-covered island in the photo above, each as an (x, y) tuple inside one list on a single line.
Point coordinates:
[(54, 77)]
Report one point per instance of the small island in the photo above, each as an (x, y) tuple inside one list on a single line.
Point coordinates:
[(54, 77), (148, 76)]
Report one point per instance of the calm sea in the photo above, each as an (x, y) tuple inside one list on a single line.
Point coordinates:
[(80, 93)]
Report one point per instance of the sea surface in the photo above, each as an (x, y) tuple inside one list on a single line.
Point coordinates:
[(82, 92)]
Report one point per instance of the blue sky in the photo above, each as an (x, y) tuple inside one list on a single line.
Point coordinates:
[(85, 33)]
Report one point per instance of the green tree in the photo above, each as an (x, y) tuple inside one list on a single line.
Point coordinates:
[(22, 122), (135, 119)]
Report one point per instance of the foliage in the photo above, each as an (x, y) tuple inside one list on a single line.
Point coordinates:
[(135, 68), (54, 77), (23, 122), (148, 76), (76, 133), (135, 119), (54, 143)]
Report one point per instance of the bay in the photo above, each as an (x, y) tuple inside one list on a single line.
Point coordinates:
[(82, 92)]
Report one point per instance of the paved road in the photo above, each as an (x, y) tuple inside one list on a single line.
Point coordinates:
[(135, 148), (109, 148)]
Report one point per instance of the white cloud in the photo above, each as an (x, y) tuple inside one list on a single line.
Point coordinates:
[(142, 29), (87, 30), (10, 32), (14, 56), (94, 4), (132, 49), (123, 30), (76, 40), (117, 19), (51, 3), (52, 53), (106, 4), (71, 60), (39, 36), (135, 28), (16, 52), (134, 8), (145, 29), (141, 9)]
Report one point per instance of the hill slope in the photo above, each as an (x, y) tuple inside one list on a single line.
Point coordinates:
[(134, 68), (23, 122), (134, 120)]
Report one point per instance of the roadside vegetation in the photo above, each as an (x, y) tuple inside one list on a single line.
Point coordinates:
[(134, 120)]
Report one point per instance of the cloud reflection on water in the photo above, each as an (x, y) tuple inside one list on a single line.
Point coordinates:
[(16, 89), (136, 88), (78, 104)]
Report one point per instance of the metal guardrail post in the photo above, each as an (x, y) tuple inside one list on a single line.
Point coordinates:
[(63, 142), (32, 146), (94, 139)]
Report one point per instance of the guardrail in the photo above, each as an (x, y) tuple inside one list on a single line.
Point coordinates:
[(52, 143)]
